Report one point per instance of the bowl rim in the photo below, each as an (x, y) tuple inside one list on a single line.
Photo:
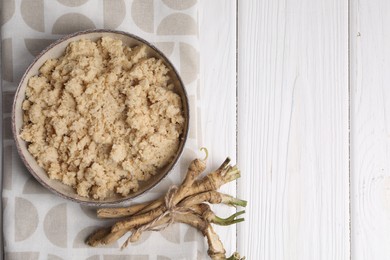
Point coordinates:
[(96, 203)]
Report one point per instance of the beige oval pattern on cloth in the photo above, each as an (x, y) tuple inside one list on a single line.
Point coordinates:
[(165, 47), (72, 22), (161, 257), (194, 235), (22, 256), (26, 219), (33, 14), (35, 46), (55, 225), (179, 4), (94, 257), (72, 3), (7, 60), (189, 63), (142, 13), (172, 233), (53, 257), (177, 24), (8, 10), (114, 13)]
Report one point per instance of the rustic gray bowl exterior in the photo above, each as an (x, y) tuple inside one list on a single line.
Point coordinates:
[(56, 50)]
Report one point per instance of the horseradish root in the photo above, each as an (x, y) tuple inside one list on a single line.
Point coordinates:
[(188, 203)]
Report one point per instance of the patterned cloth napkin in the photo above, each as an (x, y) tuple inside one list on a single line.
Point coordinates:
[(38, 224)]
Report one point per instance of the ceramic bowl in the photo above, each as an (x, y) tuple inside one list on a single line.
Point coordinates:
[(56, 50)]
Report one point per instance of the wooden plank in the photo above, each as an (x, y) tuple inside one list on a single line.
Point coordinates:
[(293, 129), (218, 98), (370, 129)]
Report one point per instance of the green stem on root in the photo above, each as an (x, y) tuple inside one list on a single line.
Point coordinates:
[(206, 153), (237, 202), (229, 220)]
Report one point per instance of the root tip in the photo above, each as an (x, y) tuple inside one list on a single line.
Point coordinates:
[(204, 149)]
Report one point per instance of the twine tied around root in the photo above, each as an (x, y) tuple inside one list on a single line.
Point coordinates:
[(171, 211)]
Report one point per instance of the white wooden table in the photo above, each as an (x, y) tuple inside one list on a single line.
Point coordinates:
[(298, 90)]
